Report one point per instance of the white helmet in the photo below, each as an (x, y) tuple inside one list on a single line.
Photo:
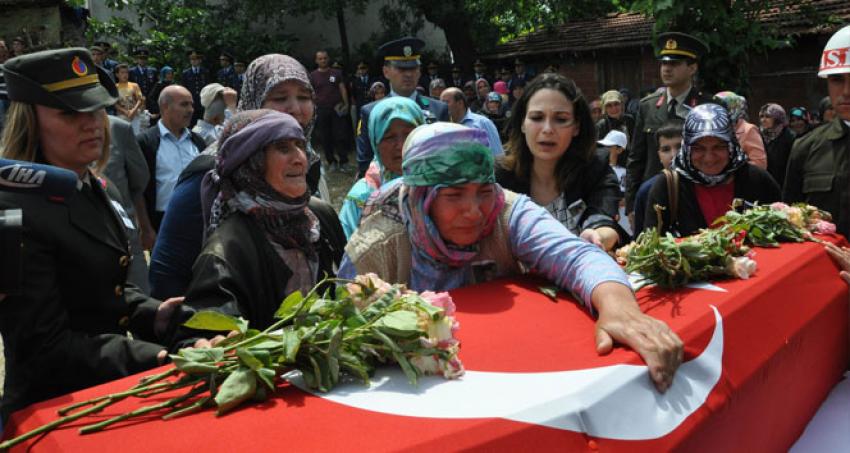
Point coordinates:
[(836, 55)]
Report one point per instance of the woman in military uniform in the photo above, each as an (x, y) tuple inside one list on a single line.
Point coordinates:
[(67, 329)]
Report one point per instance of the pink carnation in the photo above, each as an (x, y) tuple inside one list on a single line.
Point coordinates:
[(779, 206), (440, 300)]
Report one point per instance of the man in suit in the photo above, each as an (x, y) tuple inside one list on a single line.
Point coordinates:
[(168, 147), (227, 74), (679, 55), (457, 79), (195, 79), (128, 172), (401, 68), (480, 69), (142, 74), (432, 75)]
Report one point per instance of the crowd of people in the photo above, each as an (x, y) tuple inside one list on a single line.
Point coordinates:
[(460, 180)]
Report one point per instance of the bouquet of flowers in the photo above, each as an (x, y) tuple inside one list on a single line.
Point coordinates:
[(767, 226), (368, 323), (671, 263)]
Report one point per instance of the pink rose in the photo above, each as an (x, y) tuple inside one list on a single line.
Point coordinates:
[(824, 227), (779, 206), (440, 300)]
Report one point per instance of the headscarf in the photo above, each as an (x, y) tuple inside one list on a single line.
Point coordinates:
[(500, 87), (611, 96), (238, 184), (374, 88), (267, 72), (486, 83), (708, 120), (436, 156), (165, 71), (380, 118), (780, 121), (736, 104)]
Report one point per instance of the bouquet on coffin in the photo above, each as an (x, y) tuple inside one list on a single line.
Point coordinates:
[(368, 323), (725, 249)]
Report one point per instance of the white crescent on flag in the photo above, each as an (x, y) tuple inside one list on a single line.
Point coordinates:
[(614, 402)]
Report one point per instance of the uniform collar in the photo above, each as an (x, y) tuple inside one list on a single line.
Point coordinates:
[(680, 99), (835, 129), (413, 96)]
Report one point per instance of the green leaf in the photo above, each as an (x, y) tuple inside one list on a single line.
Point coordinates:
[(213, 320), (202, 354), (289, 306), (192, 367), (248, 359), (267, 376), (292, 343), (238, 387), (400, 323)]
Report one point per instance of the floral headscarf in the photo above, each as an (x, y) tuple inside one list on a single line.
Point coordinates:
[(780, 121), (736, 104), (436, 156), (267, 72), (708, 120)]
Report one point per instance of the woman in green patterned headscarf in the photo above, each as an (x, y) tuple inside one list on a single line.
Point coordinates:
[(389, 125)]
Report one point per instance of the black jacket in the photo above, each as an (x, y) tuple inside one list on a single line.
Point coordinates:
[(751, 184), (149, 143), (239, 273), (642, 162), (68, 328), (596, 184), (778, 151)]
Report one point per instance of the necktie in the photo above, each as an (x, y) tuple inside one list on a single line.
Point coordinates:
[(671, 112)]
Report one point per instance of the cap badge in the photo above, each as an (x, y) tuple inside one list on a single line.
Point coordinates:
[(408, 51), (79, 67), (671, 44)]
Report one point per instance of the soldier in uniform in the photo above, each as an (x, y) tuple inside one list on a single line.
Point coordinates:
[(679, 55), (142, 74), (227, 74), (239, 67), (819, 166), (401, 68), (108, 63), (195, 78), (67, 328)]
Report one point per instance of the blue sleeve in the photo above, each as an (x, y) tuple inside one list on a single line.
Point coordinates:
[(640, 203), (547, 247), (364, 148), (493, 137), (349, 217), (346, 268), (179, 241)]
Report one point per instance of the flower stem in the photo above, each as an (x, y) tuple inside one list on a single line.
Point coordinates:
[(54, 424), (88, 429), (115, 396)]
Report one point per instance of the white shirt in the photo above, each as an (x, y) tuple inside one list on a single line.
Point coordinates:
[(682, 109), (173, 155)]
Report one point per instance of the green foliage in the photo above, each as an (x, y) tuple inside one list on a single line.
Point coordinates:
[(729, 28), (169, 28)]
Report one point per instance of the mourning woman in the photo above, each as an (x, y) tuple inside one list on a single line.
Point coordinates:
[(711, 171), (273, 81), (778, 140), (267, 236), (552, 158), (446, 224), (389, 125), (68, 327)]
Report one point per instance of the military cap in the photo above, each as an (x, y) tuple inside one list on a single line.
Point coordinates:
[(227, 55), (434, 65), (478, 62), (239, 63), (456, 69), (680, 46), (62, 79), (192, 52), (141, 52), (518, 62), (103, 44), (402, 53)]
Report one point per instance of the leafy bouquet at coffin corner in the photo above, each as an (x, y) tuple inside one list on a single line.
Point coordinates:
[(369, 323), (724, 250)]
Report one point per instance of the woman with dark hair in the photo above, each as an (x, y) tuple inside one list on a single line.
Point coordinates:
[(778, 139), (267, 237), (552, 158), (711, 170), (377, 91)]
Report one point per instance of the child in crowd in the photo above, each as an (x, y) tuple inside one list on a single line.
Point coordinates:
[(616, 143), (669, 143)]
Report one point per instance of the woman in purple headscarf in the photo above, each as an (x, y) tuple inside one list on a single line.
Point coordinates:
[(267, 237), (778, 140)]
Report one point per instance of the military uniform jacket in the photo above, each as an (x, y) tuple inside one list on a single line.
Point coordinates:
[(68, 328), (433, 110), (145, 77), (643, 162), (195, 83), (819, 172), (228, 77)]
